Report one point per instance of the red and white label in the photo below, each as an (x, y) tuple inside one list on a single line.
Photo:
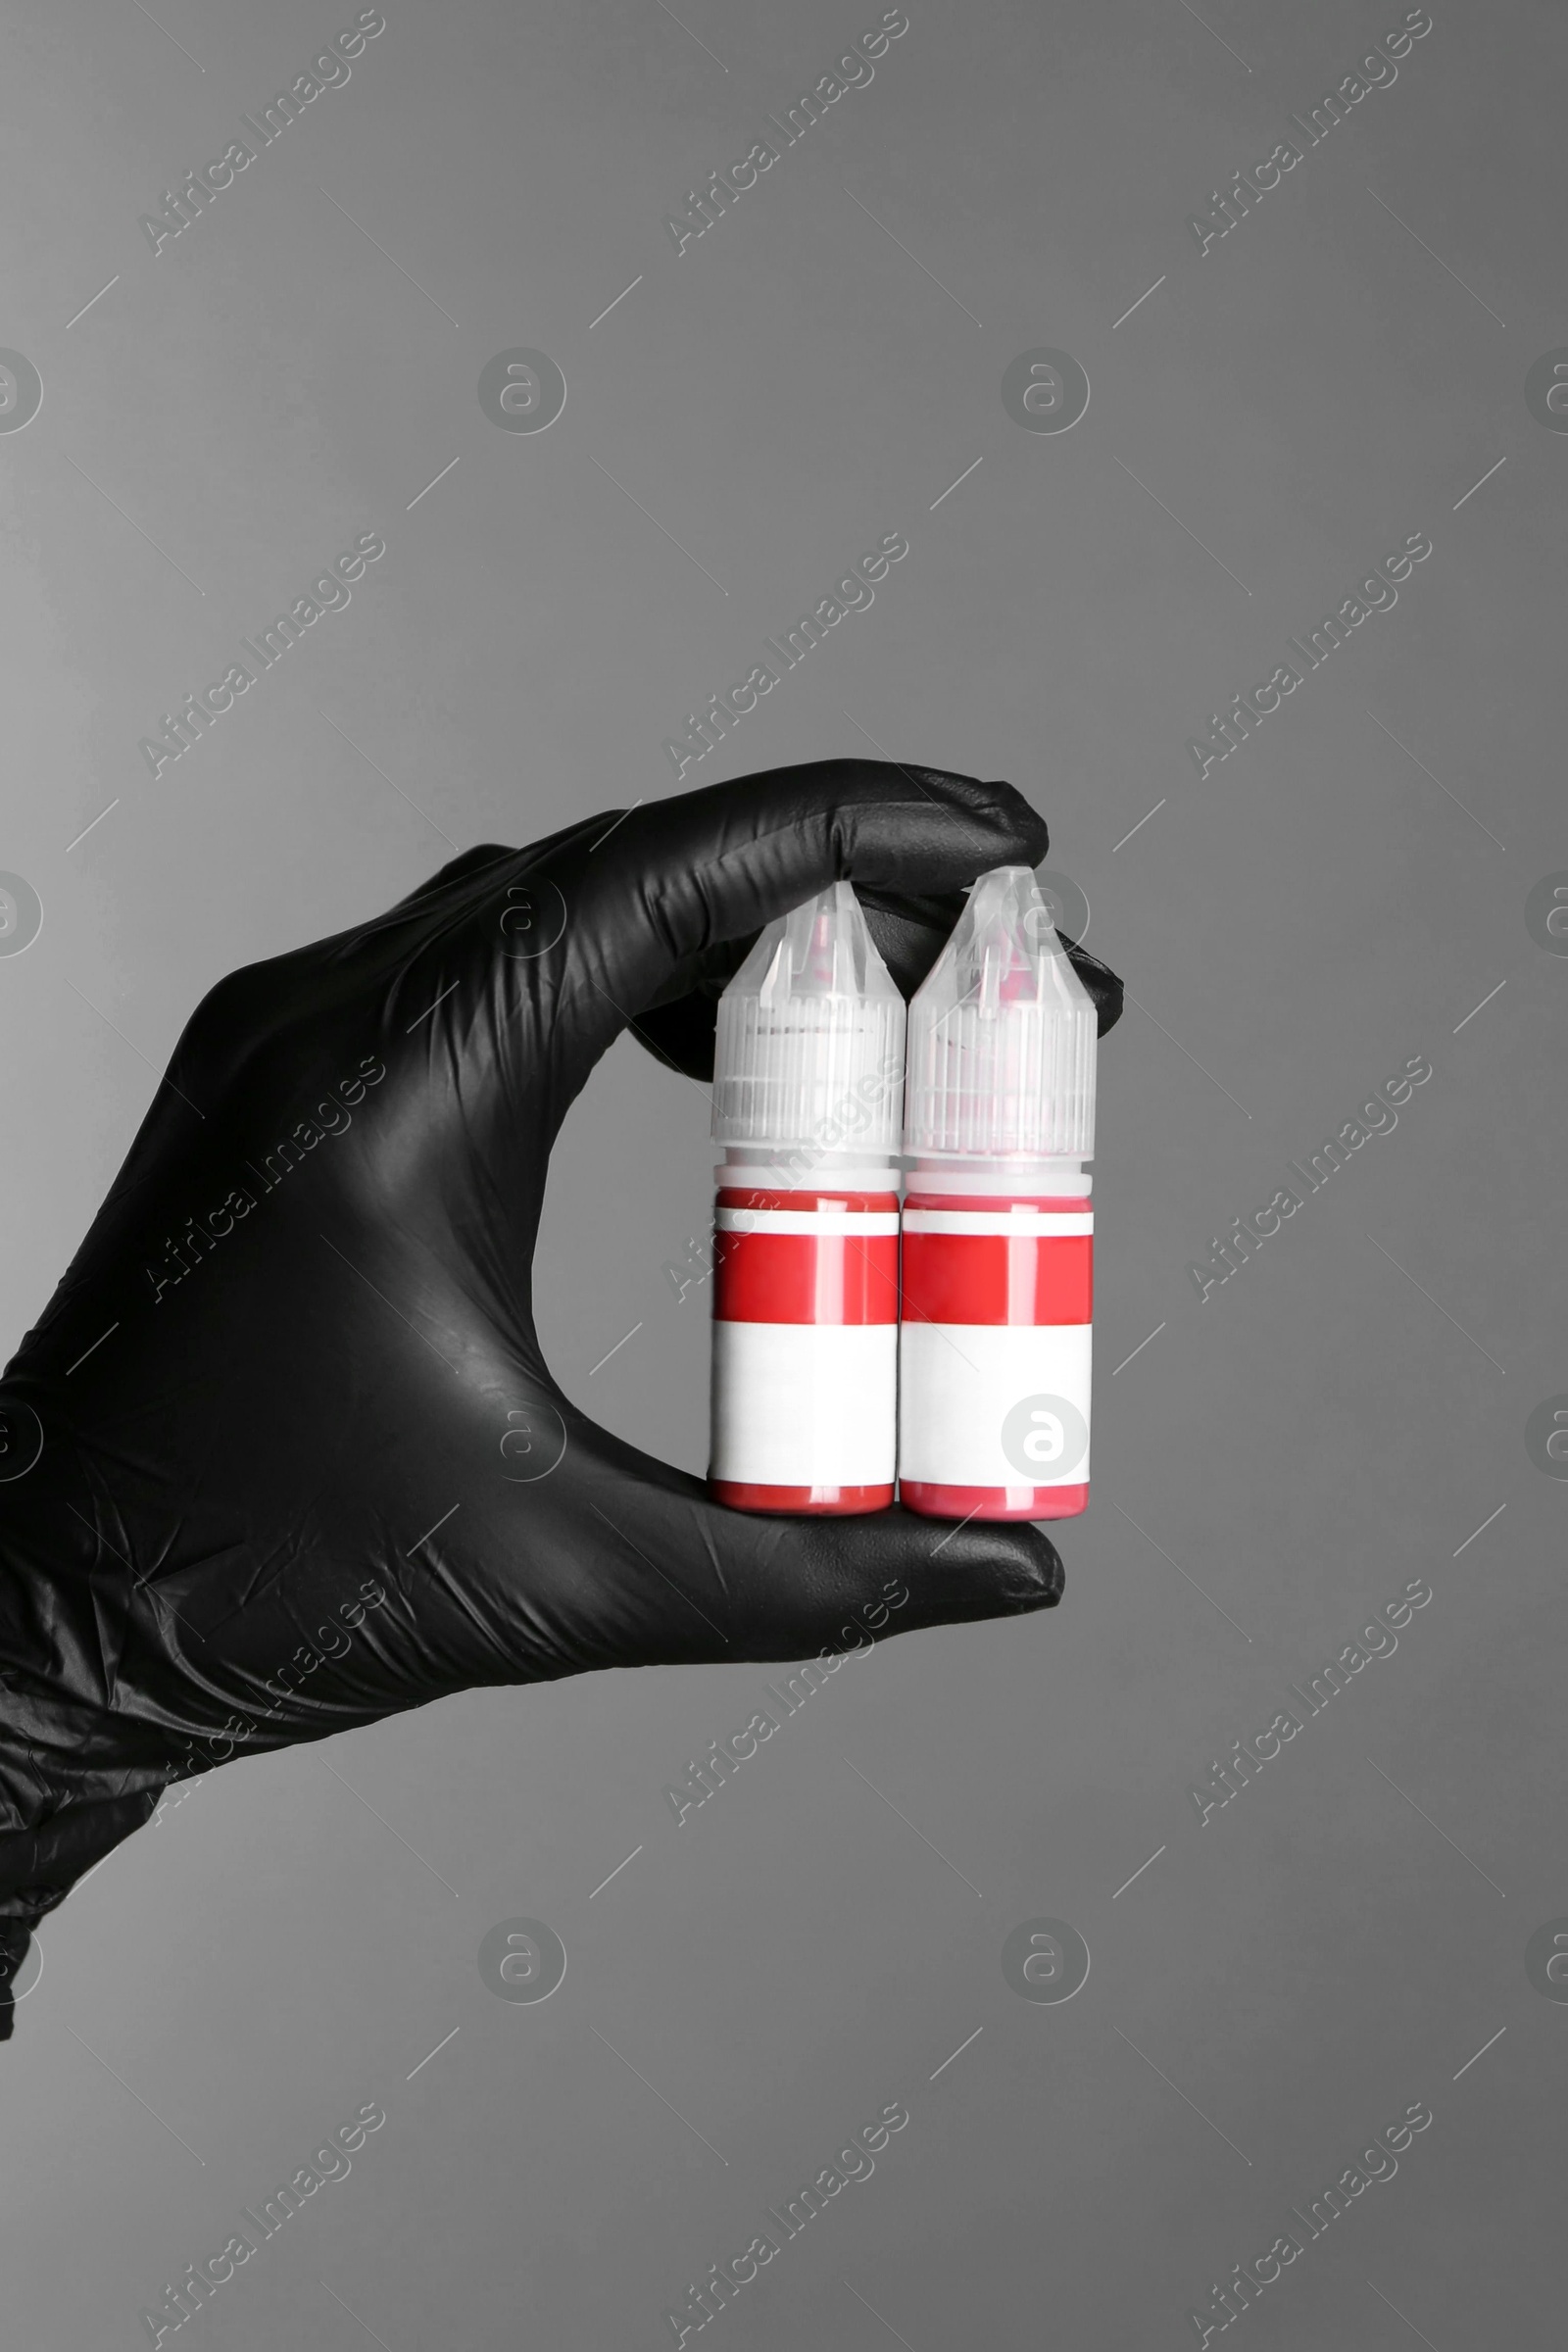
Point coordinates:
[(805, 1302), (996, 1344)]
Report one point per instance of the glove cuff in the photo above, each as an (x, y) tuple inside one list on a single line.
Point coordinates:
[(39, 1866)]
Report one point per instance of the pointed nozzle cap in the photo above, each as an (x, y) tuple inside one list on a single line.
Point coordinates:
[(810, 1047), (1003, 1035)]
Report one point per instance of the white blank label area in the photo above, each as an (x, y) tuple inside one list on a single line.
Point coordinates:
[(957, 1384), (805, 1405)]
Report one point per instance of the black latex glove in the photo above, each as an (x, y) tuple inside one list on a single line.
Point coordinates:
[(313, 1275)]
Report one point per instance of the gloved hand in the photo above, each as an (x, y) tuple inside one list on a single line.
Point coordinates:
[(282, 1455)]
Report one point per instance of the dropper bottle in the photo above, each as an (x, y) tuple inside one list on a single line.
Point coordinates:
[(994, 1340), (809, 1079)]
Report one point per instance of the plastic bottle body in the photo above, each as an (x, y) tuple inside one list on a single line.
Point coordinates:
[(805, 1357), (808, 1081), (996, 1344), (998, 1119)]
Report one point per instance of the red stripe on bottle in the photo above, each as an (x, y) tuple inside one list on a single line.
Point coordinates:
[(829, 1501), (806, 1277), (998, 1278), (933, 1502)]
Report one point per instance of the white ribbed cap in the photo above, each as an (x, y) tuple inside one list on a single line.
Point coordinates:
[(809, 1050), (1003, 1035)]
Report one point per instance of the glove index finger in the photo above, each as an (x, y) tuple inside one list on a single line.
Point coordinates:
[(791, 1588), (675, 878), (680, 1578)]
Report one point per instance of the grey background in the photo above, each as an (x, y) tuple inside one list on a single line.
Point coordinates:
[(1277, 1984)]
